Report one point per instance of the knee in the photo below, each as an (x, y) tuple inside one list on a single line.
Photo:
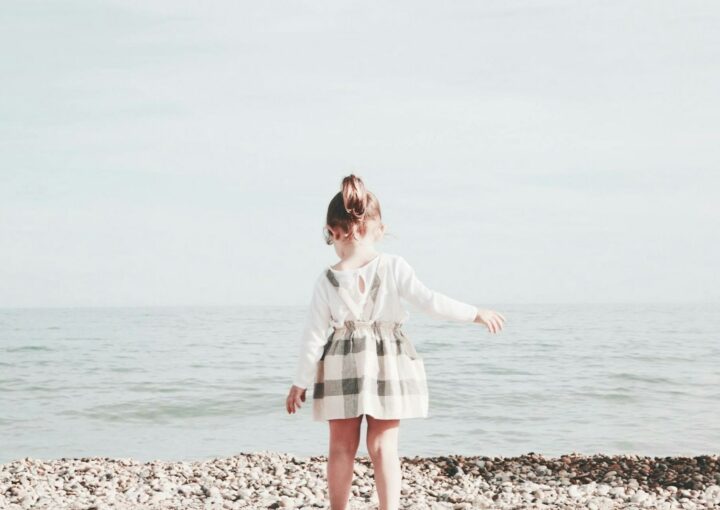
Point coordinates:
[(378, 449), (345, 447)]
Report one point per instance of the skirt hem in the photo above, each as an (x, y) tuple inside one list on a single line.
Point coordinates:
[(402, 417)]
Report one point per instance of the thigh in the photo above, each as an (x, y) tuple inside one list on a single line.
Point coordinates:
[(345, 429), (382, 428)]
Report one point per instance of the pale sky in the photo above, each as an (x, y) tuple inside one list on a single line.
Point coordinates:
[(182, 153)]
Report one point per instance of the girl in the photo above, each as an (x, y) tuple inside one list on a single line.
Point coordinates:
[(367, 366)]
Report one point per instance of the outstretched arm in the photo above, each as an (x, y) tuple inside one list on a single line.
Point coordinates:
[(431, 302)]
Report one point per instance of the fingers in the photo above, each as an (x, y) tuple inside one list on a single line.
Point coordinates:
[(494, 322), (498, 323), (489, 323), (293, 402)]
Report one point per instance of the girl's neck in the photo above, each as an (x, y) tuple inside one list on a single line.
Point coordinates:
[(357, 258)]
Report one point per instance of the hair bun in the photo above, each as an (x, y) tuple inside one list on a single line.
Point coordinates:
[(355, 197), (350, 211)]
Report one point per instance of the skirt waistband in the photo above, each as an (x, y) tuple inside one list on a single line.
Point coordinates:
[(356, 324)]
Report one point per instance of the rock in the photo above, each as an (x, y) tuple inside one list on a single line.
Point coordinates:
[(186, 490), (610, 475), (360, 469), (275, 480), (639, 496)]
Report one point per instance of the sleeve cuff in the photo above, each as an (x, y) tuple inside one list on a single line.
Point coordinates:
[(300, 384), (475, 311)]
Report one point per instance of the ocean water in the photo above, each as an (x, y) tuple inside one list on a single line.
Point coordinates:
[(195, 383)]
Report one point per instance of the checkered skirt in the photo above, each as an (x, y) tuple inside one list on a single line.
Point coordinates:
[(369, 367)]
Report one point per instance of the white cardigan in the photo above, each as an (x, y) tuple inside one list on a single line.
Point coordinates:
[(328, 309)]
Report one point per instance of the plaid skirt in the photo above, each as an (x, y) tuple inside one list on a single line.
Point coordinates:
[(370, 367)]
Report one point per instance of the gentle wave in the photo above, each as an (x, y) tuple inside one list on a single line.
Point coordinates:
[(182, 383), (24, 348)]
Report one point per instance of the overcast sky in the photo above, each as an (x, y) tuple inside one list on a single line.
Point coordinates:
[(173, 152)]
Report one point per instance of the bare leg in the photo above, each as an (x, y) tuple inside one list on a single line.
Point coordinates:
[(344, 441), (382, 445)]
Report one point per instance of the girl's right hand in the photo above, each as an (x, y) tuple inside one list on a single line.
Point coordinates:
[(493, 320), (295, 396)]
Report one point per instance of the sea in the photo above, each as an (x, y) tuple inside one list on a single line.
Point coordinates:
[(194, 383)]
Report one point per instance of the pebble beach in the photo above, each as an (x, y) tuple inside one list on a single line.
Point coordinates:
[(271, 480)]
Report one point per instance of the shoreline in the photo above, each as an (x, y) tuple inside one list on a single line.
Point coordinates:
[(278, 480)]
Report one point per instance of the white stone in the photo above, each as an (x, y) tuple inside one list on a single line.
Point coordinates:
[(639, 496)]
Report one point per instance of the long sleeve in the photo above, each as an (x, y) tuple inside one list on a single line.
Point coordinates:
[(432, 302), (314, 335)]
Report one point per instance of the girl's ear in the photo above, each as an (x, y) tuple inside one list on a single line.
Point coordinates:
[(330, 235), (381, 229)]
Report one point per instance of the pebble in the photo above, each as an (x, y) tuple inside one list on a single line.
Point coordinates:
[(276, 480)]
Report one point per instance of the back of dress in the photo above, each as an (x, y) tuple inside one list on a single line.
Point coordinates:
[(367, 364)]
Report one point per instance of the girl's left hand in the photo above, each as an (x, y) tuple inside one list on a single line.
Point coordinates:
[(295, 396), (492, 319)]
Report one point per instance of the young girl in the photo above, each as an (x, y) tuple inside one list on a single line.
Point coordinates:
[(367, 366)]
